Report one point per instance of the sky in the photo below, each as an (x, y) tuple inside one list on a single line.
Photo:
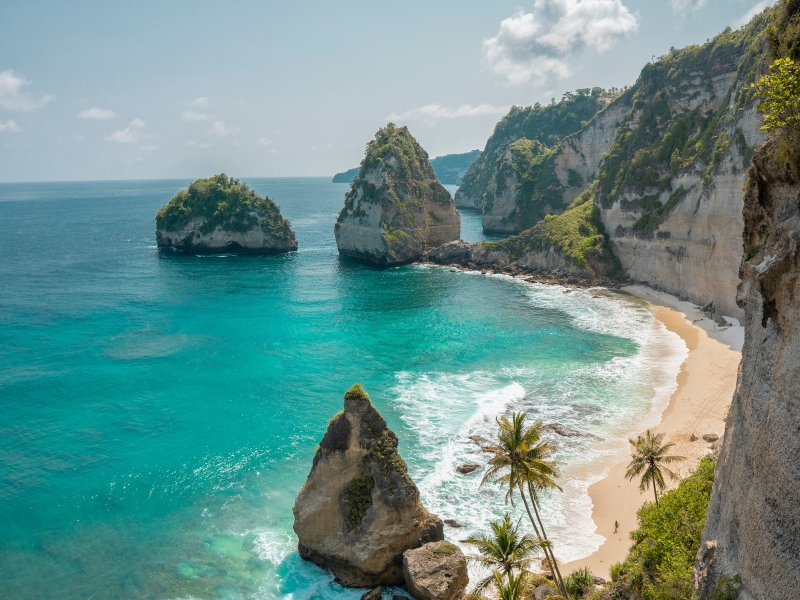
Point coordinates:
[(177, 89)]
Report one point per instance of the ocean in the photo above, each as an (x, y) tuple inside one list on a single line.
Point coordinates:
[(160, 411)]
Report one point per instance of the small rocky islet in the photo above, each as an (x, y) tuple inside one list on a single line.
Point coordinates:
[(396, 209), (220, 214), (359, 513)]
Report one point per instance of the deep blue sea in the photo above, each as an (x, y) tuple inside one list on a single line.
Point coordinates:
[(159, 412)]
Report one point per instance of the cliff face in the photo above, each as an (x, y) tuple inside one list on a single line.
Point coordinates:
[(670, 186), (547, 125), (395, 208), (358, 511), (753, 524), (220, 214)]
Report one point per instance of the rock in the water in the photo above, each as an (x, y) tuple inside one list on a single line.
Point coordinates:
[(220, 214), (358, 511), (373, 595), (453, 524), (396, 208), (436, 571), (711, 437), (467, 469)]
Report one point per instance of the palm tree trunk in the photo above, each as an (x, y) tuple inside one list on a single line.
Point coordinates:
[(550, 557), (535, 502), (655, 493)]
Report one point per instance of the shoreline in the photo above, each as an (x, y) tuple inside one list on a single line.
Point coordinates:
[(699, 405)]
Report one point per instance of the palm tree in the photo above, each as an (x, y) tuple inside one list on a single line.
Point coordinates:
[(518, 457), (505, 550), (511, 588), (649, 456)]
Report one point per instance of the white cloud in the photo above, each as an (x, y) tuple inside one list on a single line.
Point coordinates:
[(149, 148), (10, 126), (687, 5), (12, 97), (128, 135), (430, 112), (99, 114), (191, 142), (202, 101), (537, 44), (747, 17), (191, 115), (263, 142), (219, 128)]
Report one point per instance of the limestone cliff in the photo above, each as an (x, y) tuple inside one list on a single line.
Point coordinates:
[(396, 208), (753, 525), (547, 125), (670, 186), (358, 511), (220, 214)]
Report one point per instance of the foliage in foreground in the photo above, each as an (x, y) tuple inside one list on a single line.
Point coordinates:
[(779, 91), (577, 233), (226, 202), (659, 564)]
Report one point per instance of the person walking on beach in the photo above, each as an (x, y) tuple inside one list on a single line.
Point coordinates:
[(616, 526)]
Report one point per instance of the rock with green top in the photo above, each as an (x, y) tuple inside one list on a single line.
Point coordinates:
[(358, 510), (396, 209), (219, 214)]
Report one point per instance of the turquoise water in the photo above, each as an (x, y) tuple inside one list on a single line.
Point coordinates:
[(160, 412)]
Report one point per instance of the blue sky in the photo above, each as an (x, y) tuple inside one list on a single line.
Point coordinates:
[(136, 90)]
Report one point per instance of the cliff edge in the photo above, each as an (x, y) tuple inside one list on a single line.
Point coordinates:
[(358, 511), (396, 208), (753, 527), (220, 214)]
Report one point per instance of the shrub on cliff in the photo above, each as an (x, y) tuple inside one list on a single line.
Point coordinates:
[(659, 564)]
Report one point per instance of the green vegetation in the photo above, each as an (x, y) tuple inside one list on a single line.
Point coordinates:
[(446, 549), (222, 201), (577, 233), (356, 392), (346, 176), (650, 460), (546, 124), (356, 500), (450, 168), (779, 92), (670, 129), (521, 461), (579, 582), (659, 565)]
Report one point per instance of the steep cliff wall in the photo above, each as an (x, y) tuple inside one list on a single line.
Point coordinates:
[(547, 125), (753, 525), (396, 208), (670, 187)]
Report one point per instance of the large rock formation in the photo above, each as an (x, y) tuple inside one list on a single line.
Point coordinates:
[(670, 186), (396, 208), (753, 525), (220, 214), (435, 571), (358, 511)]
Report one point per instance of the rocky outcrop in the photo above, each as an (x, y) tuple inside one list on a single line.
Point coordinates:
[(220, 215), (396, 208), (545, 124), (670, 188), (359, 511), (570, 246), (753, 524), (435, 571)]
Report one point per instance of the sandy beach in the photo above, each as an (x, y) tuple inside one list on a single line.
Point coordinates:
[(698, 406)]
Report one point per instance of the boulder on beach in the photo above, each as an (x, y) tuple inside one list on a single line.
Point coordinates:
[(435, 571), (359, 511)]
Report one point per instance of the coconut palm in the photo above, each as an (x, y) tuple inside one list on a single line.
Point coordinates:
[(520, 456), (504, 550), (649, 458), (511, 587)]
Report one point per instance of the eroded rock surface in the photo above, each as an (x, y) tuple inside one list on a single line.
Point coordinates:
[(753, 524), (396, 208), (435, 571), (220, 214), (358, 511)]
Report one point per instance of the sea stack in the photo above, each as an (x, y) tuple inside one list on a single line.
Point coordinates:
[(358, 511), (396, 208), (220, 214)]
